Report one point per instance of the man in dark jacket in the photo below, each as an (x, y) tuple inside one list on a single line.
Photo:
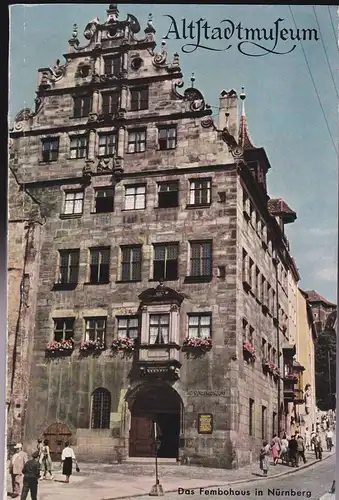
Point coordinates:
[(301, 449), (293, 451), (31, 472)]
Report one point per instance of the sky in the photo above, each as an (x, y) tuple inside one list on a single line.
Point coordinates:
[(283, 111)]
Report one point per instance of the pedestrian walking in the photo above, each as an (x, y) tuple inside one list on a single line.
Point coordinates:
[(276, 447), (17, 463), (263, 457), (317, 446), (293, 451), (284, 449), (307, 439), (301, 449), (329, 439), (67, 460), (313, 433), (46, 461), (39, 448), (31, 472)]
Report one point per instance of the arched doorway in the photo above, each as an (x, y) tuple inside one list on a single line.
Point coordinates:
[(101, 409), (57, 435), (155, 403)]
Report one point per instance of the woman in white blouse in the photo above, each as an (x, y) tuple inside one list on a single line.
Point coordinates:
[(67, 459)]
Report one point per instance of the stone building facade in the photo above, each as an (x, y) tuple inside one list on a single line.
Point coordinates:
[(322, 310), (158, 291)]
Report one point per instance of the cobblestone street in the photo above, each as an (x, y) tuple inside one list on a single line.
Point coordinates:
[(135, 478)]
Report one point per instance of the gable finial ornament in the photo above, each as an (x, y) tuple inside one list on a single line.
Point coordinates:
[(91, 28), (149, 27), (192, 80)]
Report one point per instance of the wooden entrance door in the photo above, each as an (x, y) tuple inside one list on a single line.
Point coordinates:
[(141, 437), (57, 435)]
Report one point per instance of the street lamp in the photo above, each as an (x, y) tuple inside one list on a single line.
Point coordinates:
[(156, 490)]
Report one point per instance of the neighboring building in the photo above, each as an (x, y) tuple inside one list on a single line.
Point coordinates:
[(157, 232), (321, 309)]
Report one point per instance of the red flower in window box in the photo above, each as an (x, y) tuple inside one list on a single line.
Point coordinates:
[(61, 348), (249, 351), (197, 344), (89, 346), (291, 376), (124, 344)]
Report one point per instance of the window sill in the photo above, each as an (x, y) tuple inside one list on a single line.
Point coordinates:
[(64, 286), (171, 345), (111, 155), (166, 208), (132, 209), (70, 216), (198, 279), (100, 213), (200, 205), (99, 283), (128, 281), (135, 152), (163, 280), (166, 149)]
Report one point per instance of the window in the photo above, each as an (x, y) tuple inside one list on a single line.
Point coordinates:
[(96, 329), (139, 99), (167, 138), (82, 106), (200, 192), (101, 409), (165, 265), (99, 265), (131, 263), (251, 275), (50, 149), (263, 423), (135, 197), (63, 329), (244, 330), (159, 328), (107, 144), (104, 200), (250, 417), (199, 325), (274, 356), (74, 201), (263, 348), (112, 65), (69, 266), (244, 266), (257, 283), (168, 194), (128, 327), (110, 103), (263, 290), (78, 146), (251, 335), (136, 141), (269, 352), (201, 259), (274, 423)]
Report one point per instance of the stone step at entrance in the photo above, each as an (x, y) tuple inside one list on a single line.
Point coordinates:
[(150, 461)]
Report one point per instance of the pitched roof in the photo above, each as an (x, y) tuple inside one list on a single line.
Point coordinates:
[(313, 296), (279, 207), (244, 137)]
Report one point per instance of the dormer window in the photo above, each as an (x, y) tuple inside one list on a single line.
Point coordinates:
[(112, 65)]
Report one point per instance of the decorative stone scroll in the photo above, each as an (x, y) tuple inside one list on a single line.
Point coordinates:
[(159, 59)]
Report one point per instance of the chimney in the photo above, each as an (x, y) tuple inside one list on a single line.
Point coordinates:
[(228, 112)]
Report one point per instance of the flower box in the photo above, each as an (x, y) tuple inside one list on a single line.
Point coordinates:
[(291, 376), (91, 346), (124, 344), (57, 349), (249, 351), (197, 344)]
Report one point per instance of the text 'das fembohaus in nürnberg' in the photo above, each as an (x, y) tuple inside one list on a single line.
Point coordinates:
[(202, 34), (258, 492)]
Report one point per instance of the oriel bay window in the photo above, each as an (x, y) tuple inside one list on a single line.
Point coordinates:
[(131, 263), (63, 329), (128, 326), (82, 106), (159, 328), (167, 138), (139, 99), (200, 192), (110, 103), (69, 266), (168, 194), (99, 265), (107, 144), (165, 264), (104, 200), (136, 141), (74, 201), (50, 149), (199, 326), (78, 148), (201, 259), (95, 329)]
